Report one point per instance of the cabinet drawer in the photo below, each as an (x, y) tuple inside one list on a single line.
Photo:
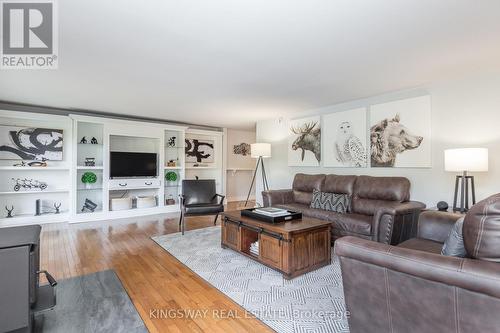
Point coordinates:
[(127, 184)]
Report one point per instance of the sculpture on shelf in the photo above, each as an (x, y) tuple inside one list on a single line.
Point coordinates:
[(38, 207), (57, 206), (89, 206), (28, 184), (171, 163), (170, 200), (83, 140), (93, 141), (89, 178), (89, 161), (38, 163), (171, 142), (20, 164), (9, 211)]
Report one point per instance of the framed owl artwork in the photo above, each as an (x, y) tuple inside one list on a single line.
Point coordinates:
[(345, 139)]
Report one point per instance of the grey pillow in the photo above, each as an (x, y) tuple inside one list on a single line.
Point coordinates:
[(339, 203), (454, 244)]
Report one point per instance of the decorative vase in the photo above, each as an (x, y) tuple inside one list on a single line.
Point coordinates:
[(88, 186)]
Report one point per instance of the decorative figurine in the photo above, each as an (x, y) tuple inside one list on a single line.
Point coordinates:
[(83, 140), (20, 164), (171, 163), (170, 200), (442, 206), (89, 161), (9, 211), (38, 164), (57, 206), (89, 206), (93, 141), (171, 142), (28, 184), (38, 207)]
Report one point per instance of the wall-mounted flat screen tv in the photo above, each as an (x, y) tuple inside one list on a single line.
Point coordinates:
[(129, 165)]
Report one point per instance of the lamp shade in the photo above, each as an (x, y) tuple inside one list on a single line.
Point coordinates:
[(260, 150), (466, 159)]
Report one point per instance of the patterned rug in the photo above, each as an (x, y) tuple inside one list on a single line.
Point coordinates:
[(313, 302)]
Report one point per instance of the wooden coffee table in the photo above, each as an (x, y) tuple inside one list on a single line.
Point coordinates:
[(293, 248)]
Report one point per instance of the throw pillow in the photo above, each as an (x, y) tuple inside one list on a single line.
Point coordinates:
[(339, 203), (454, 244)]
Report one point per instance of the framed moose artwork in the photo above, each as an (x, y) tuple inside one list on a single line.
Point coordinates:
[(304, 142)]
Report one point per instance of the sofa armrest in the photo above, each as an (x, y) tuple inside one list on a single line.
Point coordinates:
[(435, 225), (276, 197), (472, 274), (386, 215)]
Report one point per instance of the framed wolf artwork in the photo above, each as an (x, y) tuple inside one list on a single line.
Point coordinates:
[(31, 143), (304, 142), (345, 139), (400, 133)]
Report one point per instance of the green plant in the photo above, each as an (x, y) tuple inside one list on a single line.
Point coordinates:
[(89, 178), (171, 176)]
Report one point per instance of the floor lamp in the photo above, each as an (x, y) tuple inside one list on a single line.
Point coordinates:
[(259, 151), (465, 160)]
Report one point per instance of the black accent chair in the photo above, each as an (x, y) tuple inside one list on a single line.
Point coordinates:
[(198, 198)]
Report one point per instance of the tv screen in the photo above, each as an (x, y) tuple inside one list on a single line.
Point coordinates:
[(124, 164)]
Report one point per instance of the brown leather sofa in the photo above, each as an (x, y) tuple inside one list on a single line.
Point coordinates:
[(413, 288), (380, 207)]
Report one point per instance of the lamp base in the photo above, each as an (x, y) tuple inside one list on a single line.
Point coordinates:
[(464, 181)]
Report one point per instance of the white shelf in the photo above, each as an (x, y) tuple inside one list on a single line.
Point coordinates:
[(240, 169), (90, 189), (172, 168), (32, 192), (48, 168), (200, 168), (23, 219), (82, 167)]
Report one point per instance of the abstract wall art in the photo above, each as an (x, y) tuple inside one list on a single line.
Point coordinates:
[(199, 151), (31, 143)]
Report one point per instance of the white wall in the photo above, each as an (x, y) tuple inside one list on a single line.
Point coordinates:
[(465, 113)]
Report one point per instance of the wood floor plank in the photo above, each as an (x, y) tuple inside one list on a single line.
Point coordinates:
[(154, 279)]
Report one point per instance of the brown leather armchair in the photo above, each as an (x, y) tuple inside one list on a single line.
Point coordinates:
[(413, 288)]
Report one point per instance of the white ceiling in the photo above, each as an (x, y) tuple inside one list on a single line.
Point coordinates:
[(230, 63)]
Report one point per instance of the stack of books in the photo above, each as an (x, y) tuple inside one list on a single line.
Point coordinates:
[(271, 211), (254, 248)]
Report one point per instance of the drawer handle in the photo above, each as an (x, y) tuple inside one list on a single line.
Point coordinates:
[(125, 184), (148, 183)]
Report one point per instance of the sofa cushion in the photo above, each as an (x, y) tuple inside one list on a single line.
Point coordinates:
[(354, 223), (482, 230), (303, 186), (454, 244), (422, 244), (372, 192), (339, 184), (339, 203)]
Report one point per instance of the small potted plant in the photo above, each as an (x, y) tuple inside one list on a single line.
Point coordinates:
[(89, 178)]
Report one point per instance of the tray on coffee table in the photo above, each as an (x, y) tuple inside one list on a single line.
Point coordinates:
[(250, 212)]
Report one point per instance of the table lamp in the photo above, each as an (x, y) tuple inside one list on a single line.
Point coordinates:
[(259, 151), (465, 160)]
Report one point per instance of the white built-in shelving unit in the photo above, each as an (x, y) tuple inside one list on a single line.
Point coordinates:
[(64, 178)]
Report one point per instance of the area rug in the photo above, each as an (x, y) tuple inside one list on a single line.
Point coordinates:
[(313, 302), (91, 303)]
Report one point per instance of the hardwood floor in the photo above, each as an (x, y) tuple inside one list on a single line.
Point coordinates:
[(156, 281)]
